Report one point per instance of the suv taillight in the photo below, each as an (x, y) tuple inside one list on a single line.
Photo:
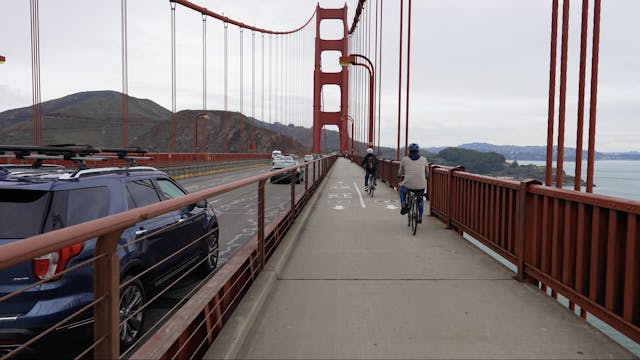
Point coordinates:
[(46, 266)]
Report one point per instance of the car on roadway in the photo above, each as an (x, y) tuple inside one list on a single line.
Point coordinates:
[(36, 200), (308, 157), (285, 177)]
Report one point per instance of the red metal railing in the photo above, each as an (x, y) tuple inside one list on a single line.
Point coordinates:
[(195, 325), (585, 247)]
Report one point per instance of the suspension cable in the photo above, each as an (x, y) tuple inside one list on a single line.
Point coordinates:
[(270, 77), (226, 87), (552, 90), (241, 70), (204, 83), (173, 77), (262, 82), (406, 108), (125, 75), (400, 79), (379, 67), (595, 55), (253, 74), (225, 19)]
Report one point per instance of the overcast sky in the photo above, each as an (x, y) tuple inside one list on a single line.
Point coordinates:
[(479, 68)]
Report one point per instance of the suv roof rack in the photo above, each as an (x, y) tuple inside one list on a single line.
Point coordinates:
[(73, 152)]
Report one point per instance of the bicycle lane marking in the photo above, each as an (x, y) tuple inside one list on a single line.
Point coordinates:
[(339, 196), (355, 186)]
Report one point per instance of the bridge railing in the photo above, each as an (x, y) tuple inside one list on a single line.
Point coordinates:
[(194, 325), (582, 246)]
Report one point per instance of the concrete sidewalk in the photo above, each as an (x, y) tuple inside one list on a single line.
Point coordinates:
[(352, 283)]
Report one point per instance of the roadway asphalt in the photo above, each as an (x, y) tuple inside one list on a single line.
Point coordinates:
[(351, 282)]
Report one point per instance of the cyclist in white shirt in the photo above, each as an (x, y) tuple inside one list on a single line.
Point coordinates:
[(414, 170)]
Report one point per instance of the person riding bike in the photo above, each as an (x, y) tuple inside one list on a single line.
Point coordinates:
[(370, 165), (414, 169)]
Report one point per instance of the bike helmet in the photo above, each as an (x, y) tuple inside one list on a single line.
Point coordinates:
[(413, 147), (369, 151)]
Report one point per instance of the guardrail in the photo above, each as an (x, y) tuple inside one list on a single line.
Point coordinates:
[(195, 325), (582, 246)]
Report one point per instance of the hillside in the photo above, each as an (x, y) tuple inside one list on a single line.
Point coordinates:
[(244, 136), (92, 117)]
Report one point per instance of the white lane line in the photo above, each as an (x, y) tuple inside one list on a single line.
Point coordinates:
[(359, 195)]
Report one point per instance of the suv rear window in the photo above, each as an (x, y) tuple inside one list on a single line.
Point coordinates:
[(22, 212), (25, 213)]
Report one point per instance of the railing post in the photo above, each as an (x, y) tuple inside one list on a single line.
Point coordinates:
[(261, 223), (106, 283), (520, 226), (451, 193), (292, 215), (306, 177), (430, 182)]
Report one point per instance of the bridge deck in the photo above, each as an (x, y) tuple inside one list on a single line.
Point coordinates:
[(354, 283)]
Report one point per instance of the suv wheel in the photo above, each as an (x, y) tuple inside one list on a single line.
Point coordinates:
[(212, 250), (132, 297)]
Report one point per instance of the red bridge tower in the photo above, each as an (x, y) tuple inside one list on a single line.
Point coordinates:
[(320, 78)]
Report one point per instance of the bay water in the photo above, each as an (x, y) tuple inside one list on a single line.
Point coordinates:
[(619, 178)]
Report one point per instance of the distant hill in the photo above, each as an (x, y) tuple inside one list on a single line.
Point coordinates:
[(539, 153), (92, 117), (244, 135)]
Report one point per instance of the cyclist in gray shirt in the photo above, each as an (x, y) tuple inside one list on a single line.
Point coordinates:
[(414, 170)]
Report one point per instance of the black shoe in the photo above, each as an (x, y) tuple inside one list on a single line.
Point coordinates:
[(404, 210), (419, 221)]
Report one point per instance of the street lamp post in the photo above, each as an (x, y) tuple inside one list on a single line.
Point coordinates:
[(351, 59), (199, 116)]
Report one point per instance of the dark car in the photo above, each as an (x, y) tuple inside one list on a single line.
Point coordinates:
[(285, 177), (38, 200)]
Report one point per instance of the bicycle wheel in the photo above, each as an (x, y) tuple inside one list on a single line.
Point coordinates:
[(414, 213), (410, 200), (372, 187)]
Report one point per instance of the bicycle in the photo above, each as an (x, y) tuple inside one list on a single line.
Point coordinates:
[(414, 213), (372, 184)]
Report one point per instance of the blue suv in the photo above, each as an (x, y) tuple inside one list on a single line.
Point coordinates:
[(37, 199)]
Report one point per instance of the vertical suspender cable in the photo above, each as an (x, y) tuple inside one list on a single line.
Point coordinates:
[(595, 48), (581, 83), (371, 96), (253, 74), (563, 92), (406, 108), (125, 75), (552, 91), (35, 72), (241, 71), (173, 77), (226, 88), (285, 74), (276, 102), (204, 82), (270, 77), (379, 68), (400, 79), (262, 82), (241, 123), (253, 85)]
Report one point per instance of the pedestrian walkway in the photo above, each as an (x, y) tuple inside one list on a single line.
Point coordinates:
[(352, 282)]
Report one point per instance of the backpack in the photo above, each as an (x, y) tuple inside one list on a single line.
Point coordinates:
[(371, 163)]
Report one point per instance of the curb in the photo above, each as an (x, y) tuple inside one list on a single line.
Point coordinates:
[(233, 335)]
